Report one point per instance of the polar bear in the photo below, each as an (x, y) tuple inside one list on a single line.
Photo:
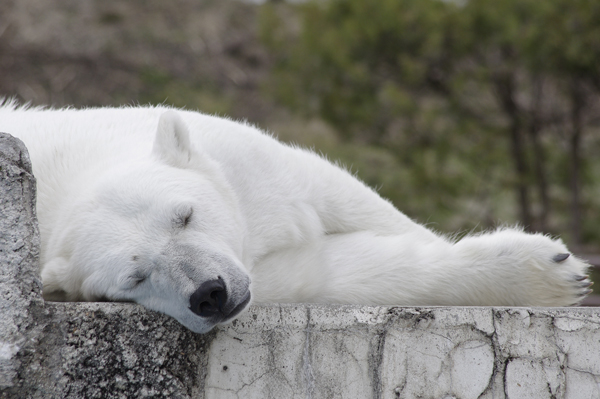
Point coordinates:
[(196, 216)]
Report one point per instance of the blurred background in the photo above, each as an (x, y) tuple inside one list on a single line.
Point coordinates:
[(467, 115)]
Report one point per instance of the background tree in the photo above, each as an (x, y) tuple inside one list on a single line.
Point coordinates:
[(441, 83), (570, 53)]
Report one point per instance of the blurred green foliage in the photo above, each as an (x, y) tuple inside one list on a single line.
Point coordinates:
[(485, 109), (163, 88)]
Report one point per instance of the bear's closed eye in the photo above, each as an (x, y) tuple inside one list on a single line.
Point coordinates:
[(183, 219), (136, 280), (188, 217)]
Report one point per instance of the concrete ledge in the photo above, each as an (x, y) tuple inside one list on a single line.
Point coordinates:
[(116, 350), (100, 350)]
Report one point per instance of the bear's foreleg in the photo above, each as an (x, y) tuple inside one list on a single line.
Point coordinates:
[(502, 268)]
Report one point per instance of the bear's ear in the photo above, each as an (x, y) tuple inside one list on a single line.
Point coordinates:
[(172, 143), (173, 146)]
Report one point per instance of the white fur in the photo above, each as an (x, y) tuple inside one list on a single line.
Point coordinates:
[(115, 184)]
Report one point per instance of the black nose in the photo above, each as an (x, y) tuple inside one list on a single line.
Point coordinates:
[(209, 299)]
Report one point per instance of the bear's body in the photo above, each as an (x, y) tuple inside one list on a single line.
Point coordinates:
[(176, 210)]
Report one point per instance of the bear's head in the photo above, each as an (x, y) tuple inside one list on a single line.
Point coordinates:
[(163, 230)]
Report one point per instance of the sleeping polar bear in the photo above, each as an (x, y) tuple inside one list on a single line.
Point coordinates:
[(196, 216)]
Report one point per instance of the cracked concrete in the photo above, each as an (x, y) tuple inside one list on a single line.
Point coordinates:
[(428, 353), (121, 350)]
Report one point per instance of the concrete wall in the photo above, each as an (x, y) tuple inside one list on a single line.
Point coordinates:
[(112, 350)]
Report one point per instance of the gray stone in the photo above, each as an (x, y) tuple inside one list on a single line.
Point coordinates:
[(121, 350), (20, 285)]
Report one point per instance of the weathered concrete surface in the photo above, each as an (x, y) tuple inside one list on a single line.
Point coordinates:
[(359, 352), (112, 350), (105, 350)]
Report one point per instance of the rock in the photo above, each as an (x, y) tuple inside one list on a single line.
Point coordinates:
[(20, 285)]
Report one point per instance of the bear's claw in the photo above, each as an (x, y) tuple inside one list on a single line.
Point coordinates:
[(586, 284), (583, 286), (560, 257), (579, 283)]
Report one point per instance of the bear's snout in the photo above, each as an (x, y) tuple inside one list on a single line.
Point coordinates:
[(209, 299)]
